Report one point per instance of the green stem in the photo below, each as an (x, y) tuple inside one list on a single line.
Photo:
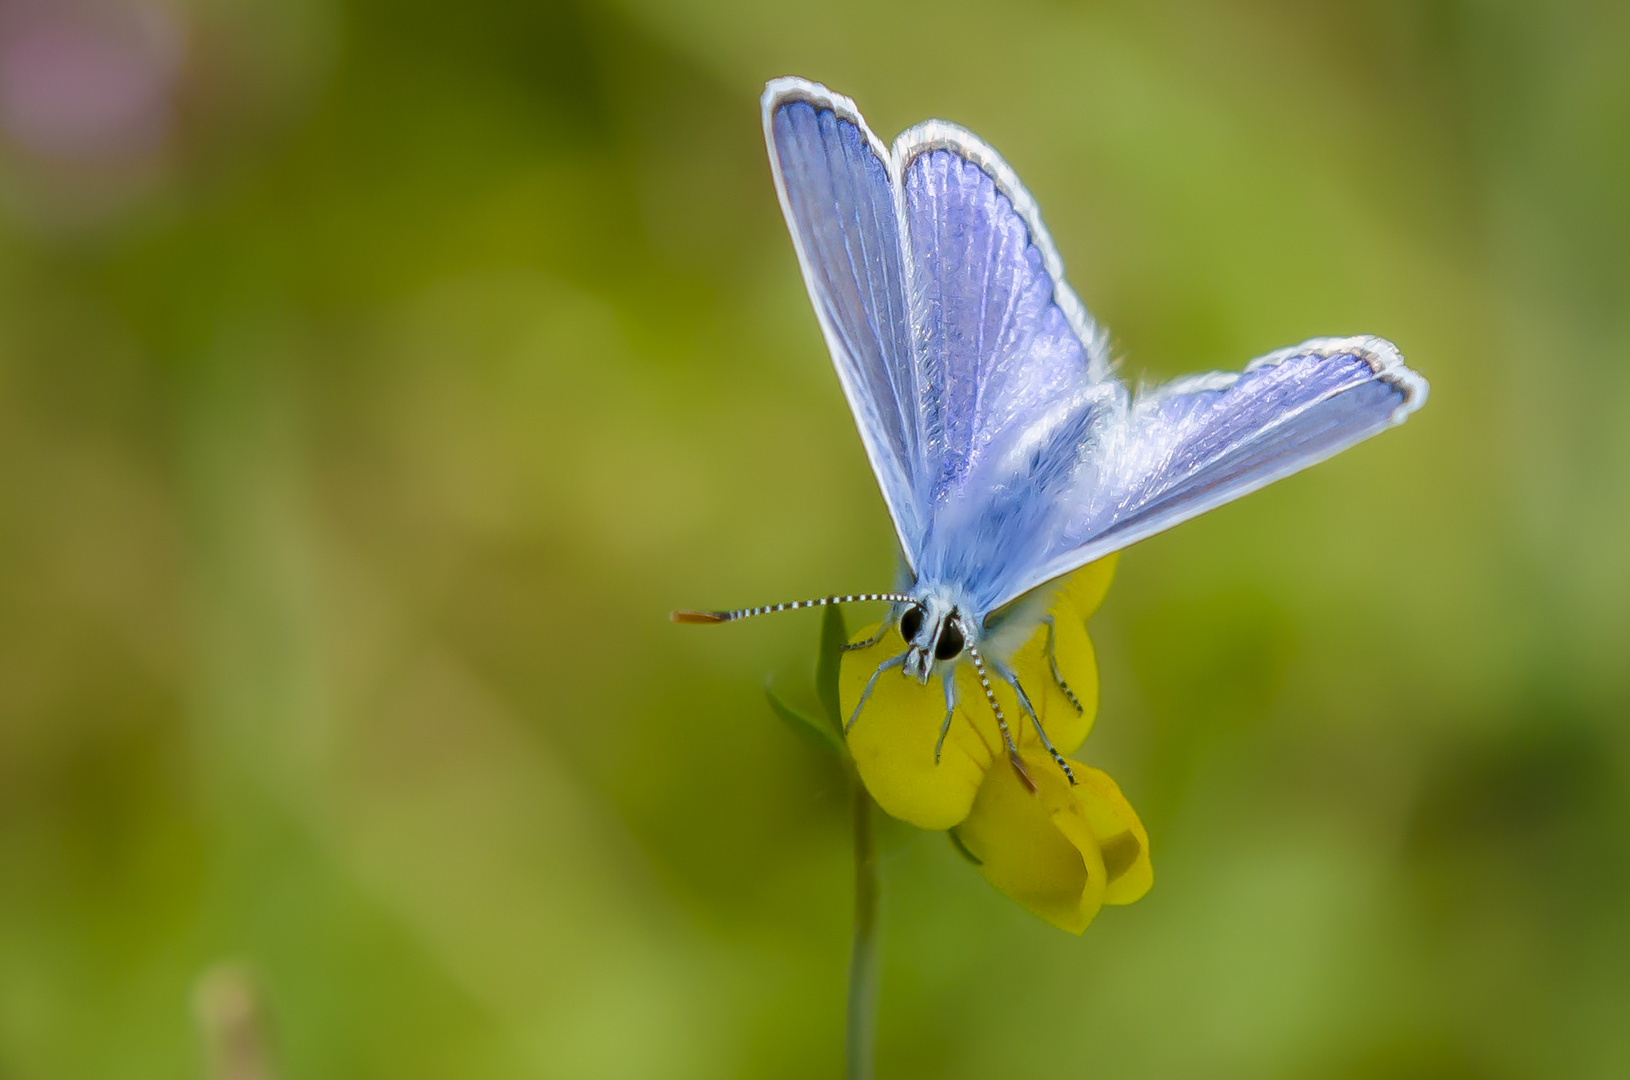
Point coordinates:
[(861, 1034)]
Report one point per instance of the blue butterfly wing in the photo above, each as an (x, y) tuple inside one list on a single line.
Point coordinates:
[(1044, 462), (1200, 442), (1007, 452), (1015, 373), (998, 347), (838, 193)]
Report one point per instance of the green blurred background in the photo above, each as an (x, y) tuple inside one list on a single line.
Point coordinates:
[(375, 375)]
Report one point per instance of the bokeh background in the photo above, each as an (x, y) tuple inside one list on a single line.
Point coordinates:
[(375, 375)]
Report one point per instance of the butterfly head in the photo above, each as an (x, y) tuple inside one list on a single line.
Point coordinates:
[(934, 630)]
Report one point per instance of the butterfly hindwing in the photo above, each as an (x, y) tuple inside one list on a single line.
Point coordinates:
[(1200, 442)]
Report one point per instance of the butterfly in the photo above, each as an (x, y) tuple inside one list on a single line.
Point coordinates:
[(1007, 451)]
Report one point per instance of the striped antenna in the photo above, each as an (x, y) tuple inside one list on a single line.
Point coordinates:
[(746, 613)]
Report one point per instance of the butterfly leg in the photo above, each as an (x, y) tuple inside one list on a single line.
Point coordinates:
[(1058, 676), (871, 683), (1001, 720), (882, 628), (1024, 701), (948, 679)]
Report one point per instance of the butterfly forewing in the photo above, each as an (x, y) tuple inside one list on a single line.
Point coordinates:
[(839, 199), (1014, 387)]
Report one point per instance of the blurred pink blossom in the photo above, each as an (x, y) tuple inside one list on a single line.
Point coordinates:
[(89, 82)]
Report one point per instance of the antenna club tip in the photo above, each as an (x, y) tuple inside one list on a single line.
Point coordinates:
[(698, 617)]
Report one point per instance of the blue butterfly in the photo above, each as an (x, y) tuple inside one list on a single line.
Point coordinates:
[(1008, 452)]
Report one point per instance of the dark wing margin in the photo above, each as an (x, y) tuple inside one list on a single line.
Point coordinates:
[(837, 190)]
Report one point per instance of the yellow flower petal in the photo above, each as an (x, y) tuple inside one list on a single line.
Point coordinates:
[(893, 740), (1087, 586), (1062, 851), (1039, 847), (1124, 844), (1066, 725)]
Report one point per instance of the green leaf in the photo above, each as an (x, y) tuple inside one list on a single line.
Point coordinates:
[(834, 636), (806, 726)]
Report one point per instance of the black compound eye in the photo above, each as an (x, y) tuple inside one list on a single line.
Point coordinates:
[(950, 642), (911, 622)]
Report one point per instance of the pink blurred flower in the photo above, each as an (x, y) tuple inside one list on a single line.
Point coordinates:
[(89, 82)]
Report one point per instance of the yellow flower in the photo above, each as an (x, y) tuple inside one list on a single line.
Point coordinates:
[(1062, 850)]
